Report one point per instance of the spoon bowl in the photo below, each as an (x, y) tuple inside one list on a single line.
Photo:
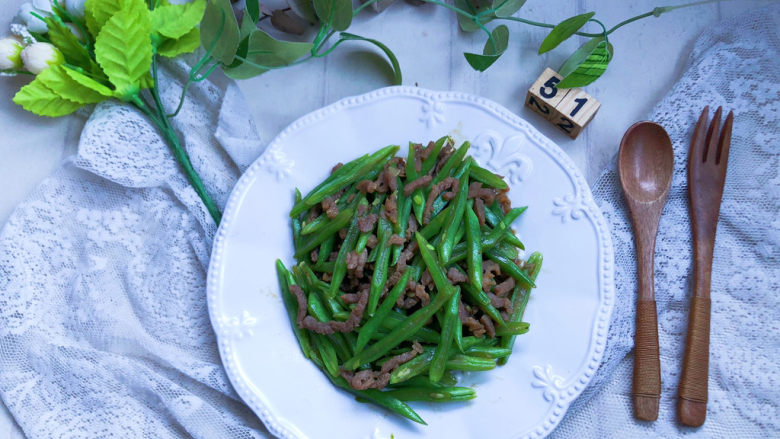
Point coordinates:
[(646, 167), (646, 162)]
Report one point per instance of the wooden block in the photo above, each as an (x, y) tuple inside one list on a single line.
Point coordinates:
[(543, 96), (574, 111), (568, 109)]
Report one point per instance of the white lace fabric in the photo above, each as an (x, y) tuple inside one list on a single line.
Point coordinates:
[(736, 65), (104, 330)]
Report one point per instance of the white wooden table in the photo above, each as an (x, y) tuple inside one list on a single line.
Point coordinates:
[(649, 56)]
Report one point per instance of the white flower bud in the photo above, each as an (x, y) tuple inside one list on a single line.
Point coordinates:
[(34, 24), (39, 56), (10, 51), (75, 8), (75, 31), (43, 5)]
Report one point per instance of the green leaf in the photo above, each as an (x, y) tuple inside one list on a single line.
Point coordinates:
[(39, 99), (579, 56), (563, 30), (124, 49), (173, 21), (466, 23), (253, 9), (397, 76), (264, 53), (492, 50), (88, 82), (337, 13), (247, 27), (505, 8), (59, 81), (97, 13), (219, 31), (184, 44), (71, 48), (587, 64), (303, 9)]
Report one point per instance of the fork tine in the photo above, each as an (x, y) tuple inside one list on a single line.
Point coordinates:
[(725, 141), (698, 139), (712, 134)]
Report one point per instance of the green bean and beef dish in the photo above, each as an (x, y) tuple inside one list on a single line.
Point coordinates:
[(407, 270)]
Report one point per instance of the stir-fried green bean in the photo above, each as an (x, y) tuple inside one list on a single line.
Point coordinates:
[(392, 309)]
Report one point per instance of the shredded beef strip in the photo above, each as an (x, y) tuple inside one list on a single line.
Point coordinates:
[(400, 359), (410, 302), (479, 209), (420, 293), (417, 183), (455, 276), (350, 298), (390, 211), (372, 241), (436, 190), (488, 324), (406, 255), (477, 191), (500, 302), (314, 255), (329, 207), (503, 200), (477, 329), (366, 224), (336, 167), (396, 240), (366, 186), (411, 229), (502, 289)]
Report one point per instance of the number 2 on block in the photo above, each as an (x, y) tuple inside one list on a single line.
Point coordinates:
[(566, 124), (542, 108)]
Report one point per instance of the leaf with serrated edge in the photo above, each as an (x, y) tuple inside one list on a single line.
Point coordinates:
[(57, 80), (173, 21), (185, 44), (124, 49), (338, 13), (61, 36), (88, 82), (590, 69), (97, 13), (219, 31), (37, 98), (563, 30), (505, 8)]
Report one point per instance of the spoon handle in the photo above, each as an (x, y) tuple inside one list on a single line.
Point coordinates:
[(647, 365)]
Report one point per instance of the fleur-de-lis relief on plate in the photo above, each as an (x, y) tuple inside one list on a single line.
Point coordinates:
[(568, 207), (239, 327), (432, 113), (503, 156), (545, 379), (275, 162)]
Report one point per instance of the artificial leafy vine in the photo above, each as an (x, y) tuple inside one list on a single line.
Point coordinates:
[(108, 49)]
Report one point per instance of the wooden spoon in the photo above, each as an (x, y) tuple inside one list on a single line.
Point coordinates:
[(646, 165)]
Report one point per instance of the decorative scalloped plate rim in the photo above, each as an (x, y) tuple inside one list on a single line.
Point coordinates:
[(554, 389)]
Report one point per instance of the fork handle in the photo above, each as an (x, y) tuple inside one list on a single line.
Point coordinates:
[(692, 391)]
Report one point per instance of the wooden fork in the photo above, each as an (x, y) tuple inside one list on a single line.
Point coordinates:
[(707, 162)]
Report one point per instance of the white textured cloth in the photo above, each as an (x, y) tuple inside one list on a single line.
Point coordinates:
[(736, 64), (104, 330)]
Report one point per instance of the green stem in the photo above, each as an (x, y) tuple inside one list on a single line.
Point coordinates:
[(169, 134)]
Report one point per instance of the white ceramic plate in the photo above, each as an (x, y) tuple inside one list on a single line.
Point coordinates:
[(568, 312)]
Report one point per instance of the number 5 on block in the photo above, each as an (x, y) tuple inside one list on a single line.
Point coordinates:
[(568, 109)]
